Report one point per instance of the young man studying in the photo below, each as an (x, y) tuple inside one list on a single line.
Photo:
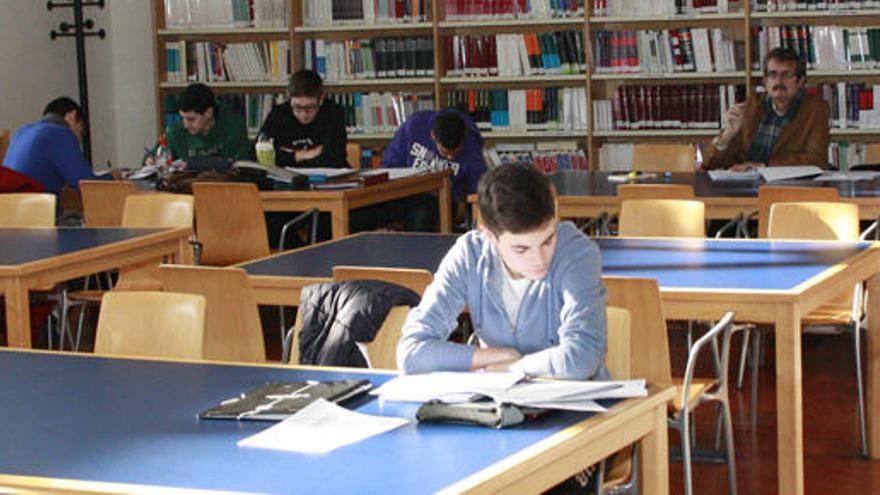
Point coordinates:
[(532, 287)]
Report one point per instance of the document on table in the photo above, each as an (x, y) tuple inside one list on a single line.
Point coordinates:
[(731, 176), (771, 174), (508, 387), (849, 176), (401, 172), (330, 173), (321, 427)]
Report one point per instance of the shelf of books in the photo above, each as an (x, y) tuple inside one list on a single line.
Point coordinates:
[(553, 73)]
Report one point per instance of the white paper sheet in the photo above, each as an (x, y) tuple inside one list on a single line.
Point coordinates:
[(450, 386), (330, 173), (731, 176), (321, 427)]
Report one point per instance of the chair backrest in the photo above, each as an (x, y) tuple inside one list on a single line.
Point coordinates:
[(155, 210), (664, 157), (649, 345), (618, 359), (233, 331), (655, 191), (814, 220), (27, 210), (104, 200), (662, 218), (415, 280), (872, 153), (152, 324), (767, 195), (230, 222), (4, 143)]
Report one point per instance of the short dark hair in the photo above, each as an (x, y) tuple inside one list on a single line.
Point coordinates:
[(785, 54), (196, 98), (449, 129), (63, 105), (305, 83), (515, 198)]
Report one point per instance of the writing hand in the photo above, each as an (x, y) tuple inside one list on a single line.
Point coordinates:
[(309, 153)]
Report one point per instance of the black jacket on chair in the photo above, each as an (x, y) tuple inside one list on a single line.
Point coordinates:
[(337, 315)]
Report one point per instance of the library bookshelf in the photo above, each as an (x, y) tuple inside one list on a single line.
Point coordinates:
[(444, 83)]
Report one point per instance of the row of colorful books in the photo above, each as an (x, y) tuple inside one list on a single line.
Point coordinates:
[(465, 10), (367, 58), (524, 54), (225, 13), (853, 105), (546, 156), (336, 12), (665, 51), (517, 110), (376, 113), (659, 7), (695, 106), (801, 5), (824, 47), (208, 61)]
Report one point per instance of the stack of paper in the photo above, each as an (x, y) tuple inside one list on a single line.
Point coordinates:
[(514, 388), (731, 176), (771, 174)]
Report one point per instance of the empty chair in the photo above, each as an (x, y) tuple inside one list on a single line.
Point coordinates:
[(232, 323), (154, 210), (664, 157), (27, 210), (104, 200), (151, 324), (231, 226), (649, 359), (768, 195), (655, 191), (662, 218)]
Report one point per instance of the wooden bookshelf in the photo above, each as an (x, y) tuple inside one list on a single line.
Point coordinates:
[(596, 85)]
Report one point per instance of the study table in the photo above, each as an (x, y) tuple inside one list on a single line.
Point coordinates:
[(773, 282), (339, 203), (32, 258), (85, 423)]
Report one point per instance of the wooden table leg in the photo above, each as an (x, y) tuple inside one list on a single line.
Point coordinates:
[(789, 400), (873, 369), (654, 455), (445, 205), (339, 221), (18, 315)]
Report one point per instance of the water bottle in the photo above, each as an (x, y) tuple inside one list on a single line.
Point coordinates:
[(265, 149), (163, 158)]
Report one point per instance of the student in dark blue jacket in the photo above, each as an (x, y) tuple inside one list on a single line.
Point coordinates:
[(48, 150)]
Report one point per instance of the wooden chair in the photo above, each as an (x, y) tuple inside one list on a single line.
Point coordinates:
[(103, 201), (655, 191), (232, 322), (767, 195), (230, 224), (872, 153), (4, 143), (153, 210), (822, 221), (152, 324), (649, 359), (662, 218), (618, 361), (648, 157), (27, 210)]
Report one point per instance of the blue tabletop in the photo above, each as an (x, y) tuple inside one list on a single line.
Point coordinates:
[(694, 263), (388, 250), (18, 246), (594, 183), (129, 421)]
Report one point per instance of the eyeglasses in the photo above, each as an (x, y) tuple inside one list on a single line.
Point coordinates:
[(305, 108), (786, 74)]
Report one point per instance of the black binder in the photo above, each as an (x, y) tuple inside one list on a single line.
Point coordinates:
[(275, 401)]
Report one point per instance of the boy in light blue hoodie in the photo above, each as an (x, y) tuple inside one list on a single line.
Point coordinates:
[(531, 285)]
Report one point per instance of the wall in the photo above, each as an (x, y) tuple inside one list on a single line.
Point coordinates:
[(121, 85)]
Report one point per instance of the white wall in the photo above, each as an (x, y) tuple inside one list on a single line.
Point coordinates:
[(33, 70)]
